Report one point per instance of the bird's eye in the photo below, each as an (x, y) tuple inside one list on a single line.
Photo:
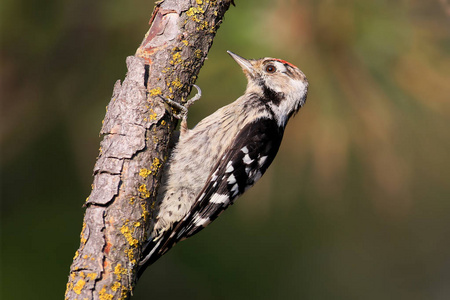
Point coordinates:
[(271, 69)]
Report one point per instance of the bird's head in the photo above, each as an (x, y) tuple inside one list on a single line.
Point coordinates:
[(281, 84)]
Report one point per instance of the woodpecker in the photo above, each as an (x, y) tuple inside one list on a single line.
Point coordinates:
[(225, 153)]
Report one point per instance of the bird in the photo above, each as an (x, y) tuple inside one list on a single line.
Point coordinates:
[(224, 154)]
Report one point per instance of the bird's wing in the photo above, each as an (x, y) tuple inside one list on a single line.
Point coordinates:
[(242, 164)]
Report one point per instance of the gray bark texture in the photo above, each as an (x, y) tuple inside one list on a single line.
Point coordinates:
[(136, 132)]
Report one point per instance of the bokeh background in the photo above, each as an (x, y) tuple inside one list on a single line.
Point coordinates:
[(356, 205)]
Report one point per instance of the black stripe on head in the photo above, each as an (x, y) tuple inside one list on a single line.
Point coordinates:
[(270, 95)]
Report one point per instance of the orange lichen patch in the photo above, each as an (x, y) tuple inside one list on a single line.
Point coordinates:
[(107, 247), (145, 53)]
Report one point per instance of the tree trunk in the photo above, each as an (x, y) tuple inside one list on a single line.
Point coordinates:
[(137, 130)]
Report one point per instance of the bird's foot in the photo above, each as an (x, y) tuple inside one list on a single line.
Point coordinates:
[(183, 109)]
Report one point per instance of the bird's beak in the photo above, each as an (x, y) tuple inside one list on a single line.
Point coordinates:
[(244, 63)]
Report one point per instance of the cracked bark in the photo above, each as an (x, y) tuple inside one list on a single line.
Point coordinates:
[(136, 131)]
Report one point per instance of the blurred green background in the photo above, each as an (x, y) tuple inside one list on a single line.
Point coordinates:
[(356, 205)]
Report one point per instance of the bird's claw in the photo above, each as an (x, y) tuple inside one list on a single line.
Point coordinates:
[(183, 109)]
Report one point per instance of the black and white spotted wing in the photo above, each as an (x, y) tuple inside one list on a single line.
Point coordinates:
[(242, 165)]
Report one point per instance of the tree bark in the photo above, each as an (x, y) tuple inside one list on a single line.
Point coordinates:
[(137, 129)]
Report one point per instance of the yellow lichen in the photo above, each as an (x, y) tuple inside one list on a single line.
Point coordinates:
[(130, 254), (155, 92), (177, 83), (119, 271), (124, 293), (156, 164), (127, 233), (92, 276), (78, 287), (176, 58), (202, 25), (76, 255), (137, 224), (82, 238), (191, 11), (103, 295), (153, 116), (145, 212), (115, 286), (163, 122), (198, 53), (185, 42), (69, 287), (144, 172), (199, 2), (143, 190)]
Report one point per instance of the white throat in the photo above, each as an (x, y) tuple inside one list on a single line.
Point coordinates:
[(295, 98)]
